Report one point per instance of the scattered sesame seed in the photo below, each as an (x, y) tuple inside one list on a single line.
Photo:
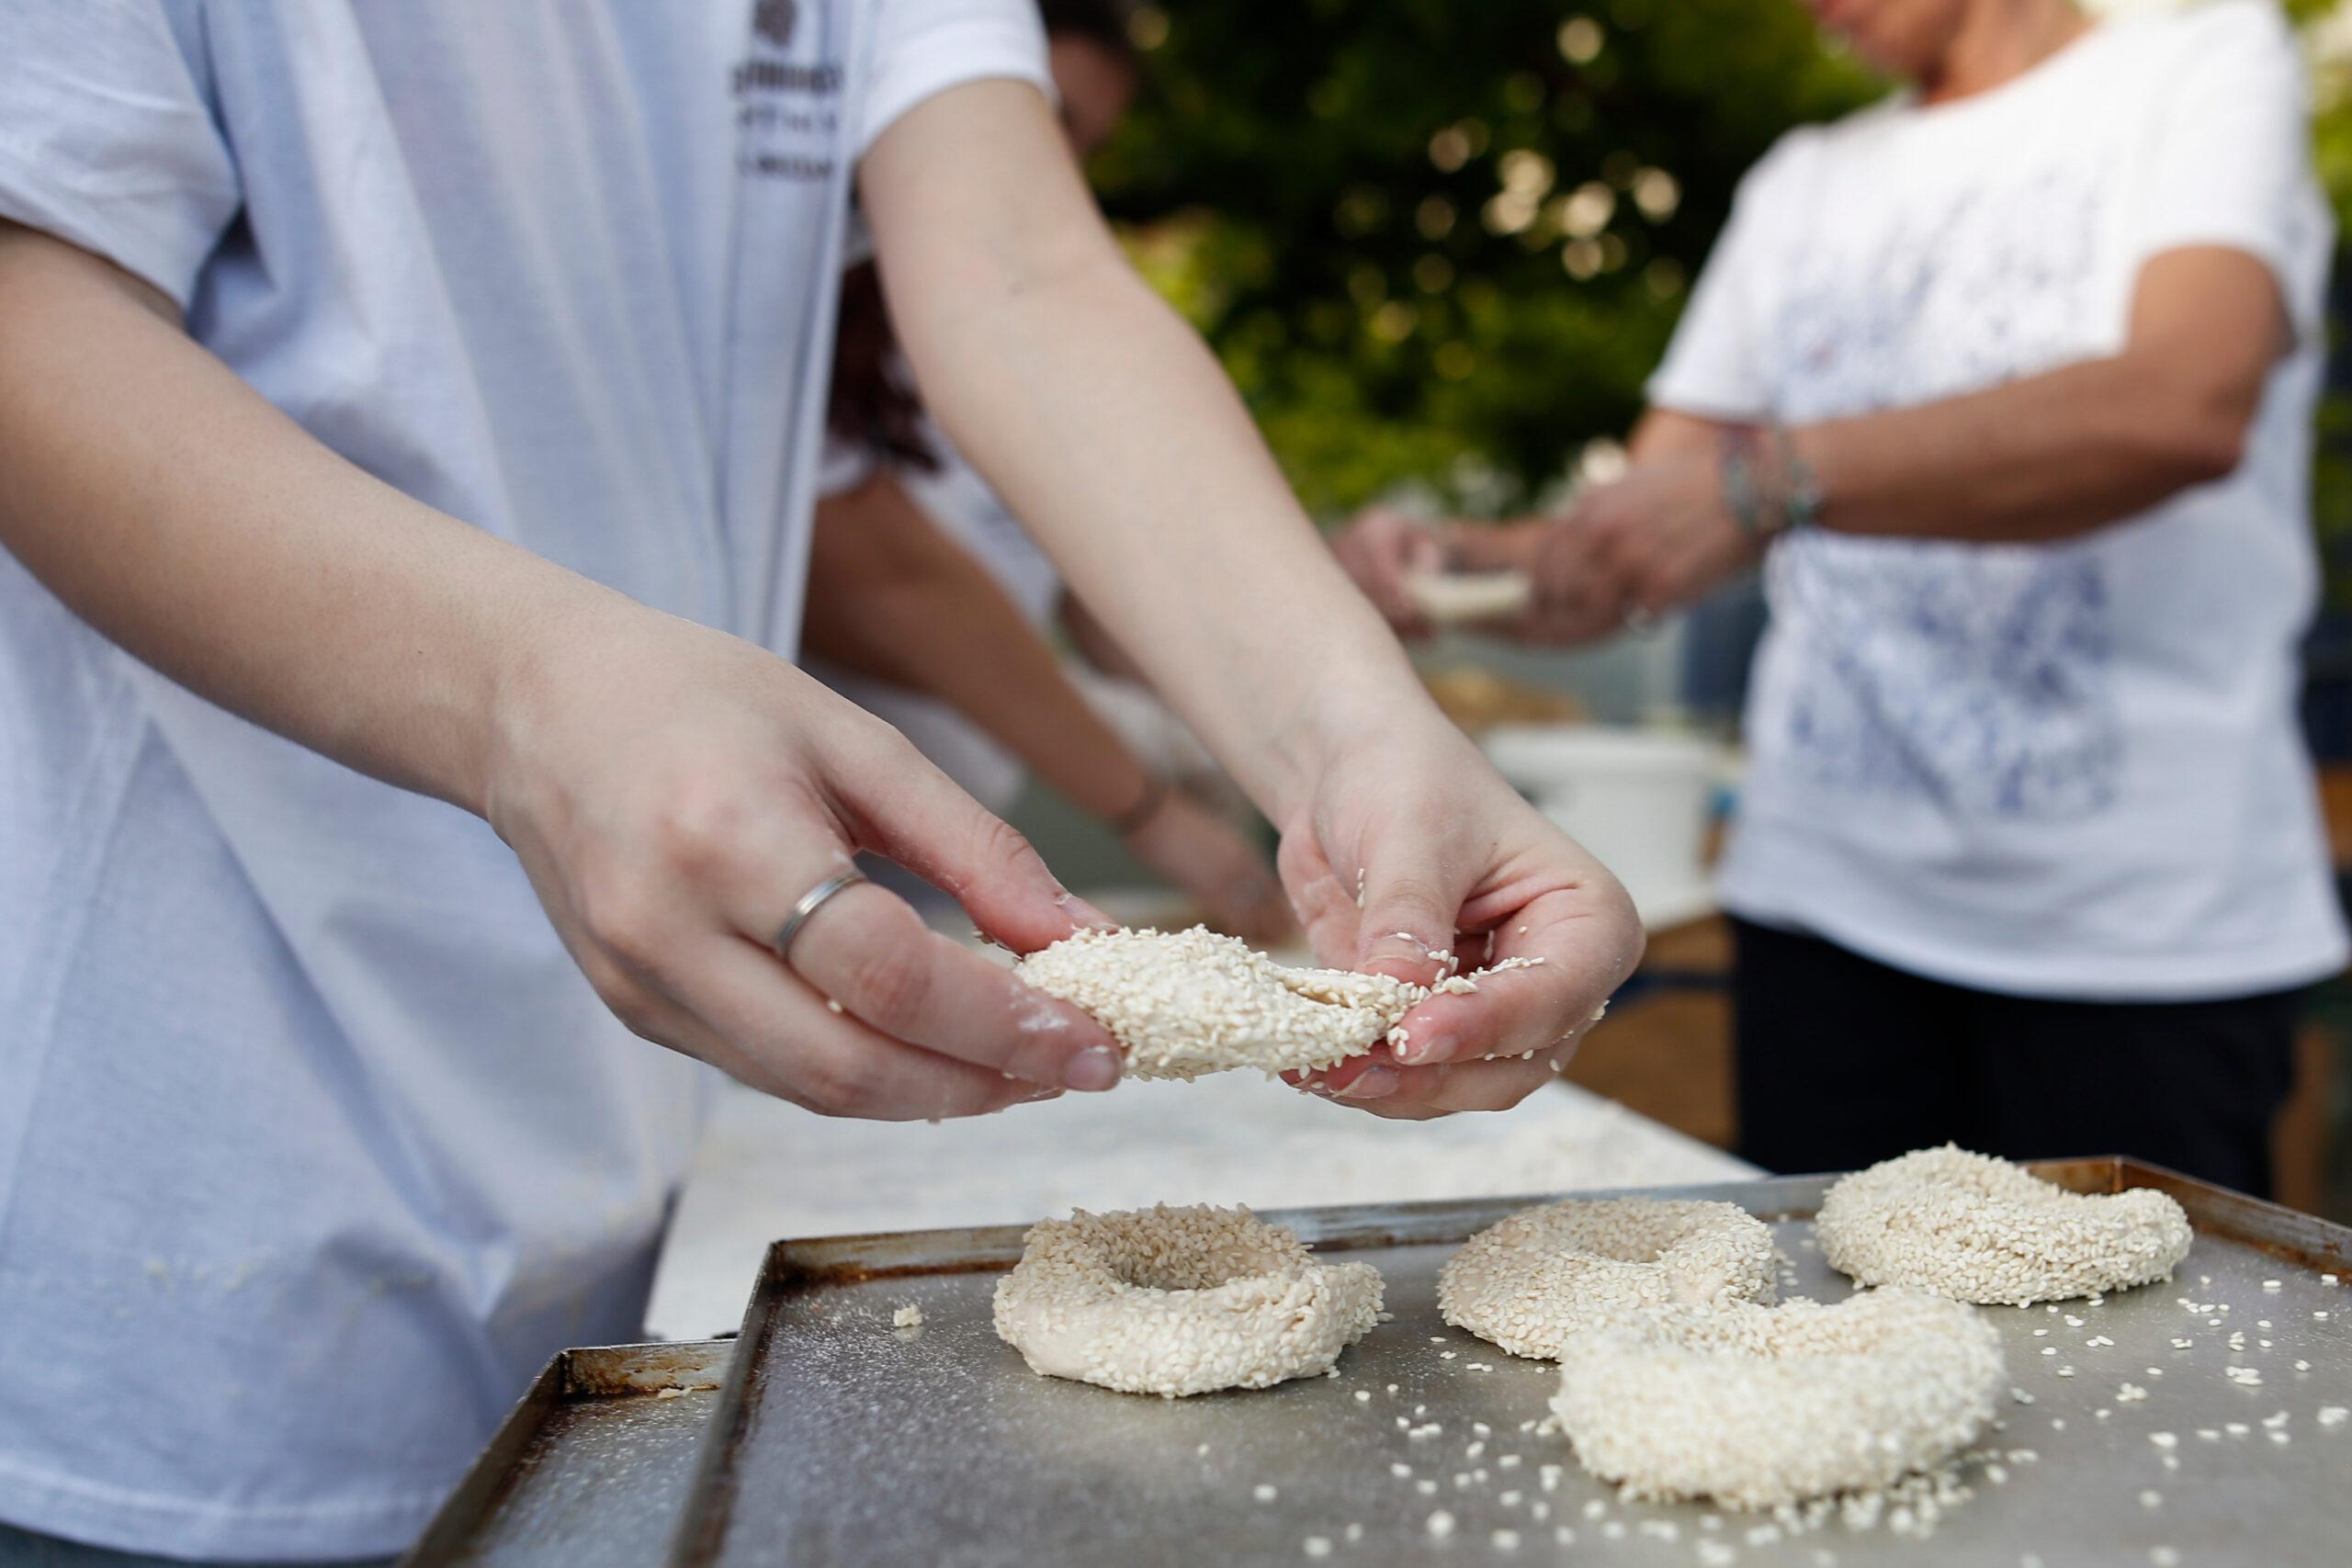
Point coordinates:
[(1265, 1492)]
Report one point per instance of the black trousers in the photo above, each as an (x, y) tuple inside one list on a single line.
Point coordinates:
[(1844, 1062)]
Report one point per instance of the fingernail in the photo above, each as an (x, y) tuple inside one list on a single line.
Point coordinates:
[(1092, 1070), (1371, 1084), (1084, 913), (1045, 1093), (1429, 1048)]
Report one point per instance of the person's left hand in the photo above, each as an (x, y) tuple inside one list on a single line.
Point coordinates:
[(1652, 541), (1414, 848)]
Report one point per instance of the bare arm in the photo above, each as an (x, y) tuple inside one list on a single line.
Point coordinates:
[(1105, 424), (2078, 447), (670, 790), (894, 598), (2045, 456), (194, 523)]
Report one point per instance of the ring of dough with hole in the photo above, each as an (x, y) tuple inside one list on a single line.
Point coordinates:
[(1189, 1003), (1757, 1406), (1546, 1274), (1177, 1302), (1465, 598), (1980, 1229)]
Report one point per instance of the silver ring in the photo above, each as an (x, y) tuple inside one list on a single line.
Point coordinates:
[(1640, 622), (809, 903)]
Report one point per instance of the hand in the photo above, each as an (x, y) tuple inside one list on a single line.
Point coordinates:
[(1656, 539), (1379, 547), (1448, 859), (1201, 852), (673, 792)]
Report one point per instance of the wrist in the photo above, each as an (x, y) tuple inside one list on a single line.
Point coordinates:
[(1767, 483), (546, 654)]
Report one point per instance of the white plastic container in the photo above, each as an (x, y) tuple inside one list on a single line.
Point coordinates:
[(1640, 800)]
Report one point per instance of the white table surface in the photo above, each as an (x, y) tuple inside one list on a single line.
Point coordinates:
[(768, 1169)]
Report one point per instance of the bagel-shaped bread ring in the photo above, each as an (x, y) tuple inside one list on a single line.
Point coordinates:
[(1757, 1406), (1980, 1229), (1546, 1273), (1177, 1302), (1189, 1003)]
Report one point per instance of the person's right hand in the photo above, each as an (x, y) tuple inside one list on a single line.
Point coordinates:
[(673, 792), (1379, 547)]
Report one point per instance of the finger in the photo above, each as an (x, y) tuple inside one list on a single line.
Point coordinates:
[(1327, 909), (1454, 1087), (1573, 943), (1410, 901), (748, 1016), (911, 813), (867, 949)]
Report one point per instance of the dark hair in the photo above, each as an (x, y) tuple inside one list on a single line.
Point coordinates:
[(873, 403), (1100, 22)]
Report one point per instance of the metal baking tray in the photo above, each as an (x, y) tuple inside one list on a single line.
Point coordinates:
[(589, 1467), (839, 1441)]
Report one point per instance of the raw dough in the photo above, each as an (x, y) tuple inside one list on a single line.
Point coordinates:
[(1177, 1302), (1467, 597), (1189, 1003), (1547, 1273), (1980, 1229), (1757, 1406)]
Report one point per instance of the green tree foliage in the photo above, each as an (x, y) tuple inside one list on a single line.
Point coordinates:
[(1439, 242), (1417, 230)]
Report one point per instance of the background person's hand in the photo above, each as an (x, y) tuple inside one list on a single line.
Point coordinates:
[(1201, 853), (673, 792), (1380, 548), (1654, 540), (1448, 859)]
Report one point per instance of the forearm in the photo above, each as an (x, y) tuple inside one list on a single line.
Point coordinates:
[(1117, 438), (1101, 418), (193, 524), (894, 599), (2043, 458)]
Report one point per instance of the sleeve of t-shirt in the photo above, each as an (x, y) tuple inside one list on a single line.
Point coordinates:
[(924, 47), (107, 140), (1715, 365), (2229, 161)]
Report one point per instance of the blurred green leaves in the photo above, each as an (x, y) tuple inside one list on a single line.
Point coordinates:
[(1443, 243)]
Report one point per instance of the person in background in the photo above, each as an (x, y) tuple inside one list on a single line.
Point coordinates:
[(2008, 381), (408, 419), (929, 604)]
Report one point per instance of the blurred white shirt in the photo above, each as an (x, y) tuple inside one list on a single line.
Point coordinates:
[(313, 1144), (2068, 770)]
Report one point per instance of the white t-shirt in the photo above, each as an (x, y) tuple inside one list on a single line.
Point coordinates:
[(313, 1144), (2067, 770)]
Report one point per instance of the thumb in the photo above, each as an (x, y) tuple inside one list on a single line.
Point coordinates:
[(1406, 929), (917, 817)]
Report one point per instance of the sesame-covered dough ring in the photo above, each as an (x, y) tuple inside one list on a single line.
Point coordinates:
[(1177, 1302), (1757, 1406), (1546, 1273), (1980, 1229)]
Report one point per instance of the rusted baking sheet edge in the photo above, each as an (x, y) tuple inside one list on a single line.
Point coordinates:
[(596, 1371)]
